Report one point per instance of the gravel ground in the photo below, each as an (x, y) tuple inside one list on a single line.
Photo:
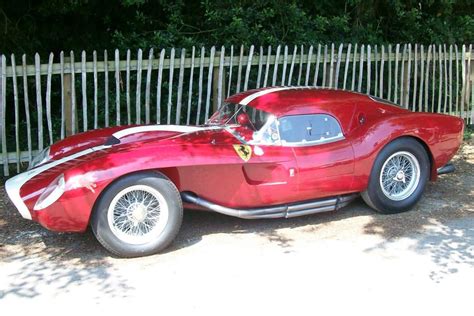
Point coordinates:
[(353, 260)]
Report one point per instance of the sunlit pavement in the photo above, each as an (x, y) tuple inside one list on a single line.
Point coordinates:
[(353, 261)]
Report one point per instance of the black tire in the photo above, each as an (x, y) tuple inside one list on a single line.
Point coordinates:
[(375, 197), (155, 182)]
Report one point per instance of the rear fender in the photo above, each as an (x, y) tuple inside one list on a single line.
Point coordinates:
[(441, 135)]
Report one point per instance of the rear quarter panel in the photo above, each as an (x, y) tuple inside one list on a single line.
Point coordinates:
[(440, 134)]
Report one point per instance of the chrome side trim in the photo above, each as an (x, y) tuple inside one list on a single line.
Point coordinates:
[(157, 128), (253, 96), (314, 142), (13, 185)]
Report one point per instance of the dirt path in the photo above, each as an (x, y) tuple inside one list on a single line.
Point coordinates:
[(419, 260)]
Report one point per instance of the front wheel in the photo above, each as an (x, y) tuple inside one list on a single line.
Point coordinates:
[(138, 215), (399, 176)]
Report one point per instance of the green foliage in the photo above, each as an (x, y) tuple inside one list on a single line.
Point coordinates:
[(468, 132), (54, 25)]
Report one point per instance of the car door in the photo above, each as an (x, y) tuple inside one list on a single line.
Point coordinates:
[(324, 158), (270, 172)]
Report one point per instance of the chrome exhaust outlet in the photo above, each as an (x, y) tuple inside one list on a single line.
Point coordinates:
[(447, 168)]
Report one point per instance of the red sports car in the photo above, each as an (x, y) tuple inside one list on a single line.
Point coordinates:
[(268, 153)]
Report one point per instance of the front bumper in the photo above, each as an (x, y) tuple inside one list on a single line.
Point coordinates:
[(69, 213), (13, 186)]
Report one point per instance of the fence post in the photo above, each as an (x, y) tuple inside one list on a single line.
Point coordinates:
[(463, 80), (215, 82), (404, 97), (215, 88), (472, 87), (469, 79), (68, 98), (3, 138), (467, 74)]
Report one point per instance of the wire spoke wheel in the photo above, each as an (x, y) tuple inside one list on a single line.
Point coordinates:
[(138, 214), (400, 176)]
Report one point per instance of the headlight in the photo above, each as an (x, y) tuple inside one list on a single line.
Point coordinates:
[(51, 194), (40, 158)]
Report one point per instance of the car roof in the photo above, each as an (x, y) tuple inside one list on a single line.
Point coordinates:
[(341, 104), (298, 100)]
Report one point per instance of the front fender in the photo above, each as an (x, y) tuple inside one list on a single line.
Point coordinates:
[(86, 181)]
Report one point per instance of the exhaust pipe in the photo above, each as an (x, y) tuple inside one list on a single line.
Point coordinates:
[(447, 168), (285, 211)]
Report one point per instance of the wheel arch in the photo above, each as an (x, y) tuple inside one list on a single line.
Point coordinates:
[(372, 193), (151, 172), (102, 229), (433, 173)]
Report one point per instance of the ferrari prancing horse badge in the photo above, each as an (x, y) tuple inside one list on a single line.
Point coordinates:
[(244, 151)]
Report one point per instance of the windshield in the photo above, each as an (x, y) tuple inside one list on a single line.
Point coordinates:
[(238, 114)]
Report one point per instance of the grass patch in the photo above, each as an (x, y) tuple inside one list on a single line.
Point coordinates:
[(468, 131)]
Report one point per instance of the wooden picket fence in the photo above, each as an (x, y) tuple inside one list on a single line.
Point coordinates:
[(79, 93)]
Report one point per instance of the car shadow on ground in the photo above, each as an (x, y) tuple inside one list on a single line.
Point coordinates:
[(63, 261), (196, 225), (44, 258), (442, 224), (34, 260)]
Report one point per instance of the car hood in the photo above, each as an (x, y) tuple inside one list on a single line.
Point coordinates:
[(132, 134)]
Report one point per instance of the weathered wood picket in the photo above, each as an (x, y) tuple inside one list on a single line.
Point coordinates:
[(179, 86)]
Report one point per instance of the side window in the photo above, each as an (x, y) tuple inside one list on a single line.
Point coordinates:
[(268, 134), (313, 128)]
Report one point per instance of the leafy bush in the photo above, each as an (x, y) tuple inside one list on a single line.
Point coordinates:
[(53, 25)]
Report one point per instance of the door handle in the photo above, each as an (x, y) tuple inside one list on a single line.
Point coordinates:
[(292, 172)]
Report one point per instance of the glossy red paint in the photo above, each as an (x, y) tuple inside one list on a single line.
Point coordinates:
[(332, 174), (205, 162), (81, 141)]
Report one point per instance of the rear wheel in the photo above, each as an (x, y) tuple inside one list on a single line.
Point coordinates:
[(138, 215), (399, 176)]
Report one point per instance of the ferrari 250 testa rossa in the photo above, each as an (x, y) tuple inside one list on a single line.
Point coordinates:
[(267, 153)]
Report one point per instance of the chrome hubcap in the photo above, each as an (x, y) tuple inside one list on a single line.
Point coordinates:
[(138, 214), (400, 175)]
